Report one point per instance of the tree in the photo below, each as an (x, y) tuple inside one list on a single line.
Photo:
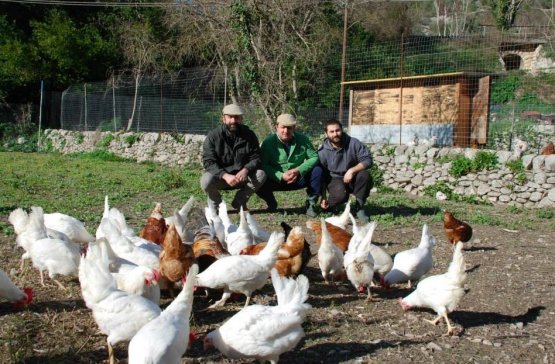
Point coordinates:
[(504, 12)]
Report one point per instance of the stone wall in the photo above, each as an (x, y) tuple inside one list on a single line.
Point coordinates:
[(411, 168)]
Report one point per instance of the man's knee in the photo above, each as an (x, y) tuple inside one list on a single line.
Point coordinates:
[(259, 178), (207, 180)]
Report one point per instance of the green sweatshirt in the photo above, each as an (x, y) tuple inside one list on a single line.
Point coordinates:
[(275, 159)]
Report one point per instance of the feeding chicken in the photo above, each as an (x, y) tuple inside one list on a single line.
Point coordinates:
[(166, 338), (207, 248), (265, 332), (229, 227), (293, 255), (10, 292), (455, 230), (441, 293), (176, 258), (118, 314), (339, 236), (155, 227), (241, 273), (330, 257), (358, 261), (241, 238), (411, 265), (56, 256), (341, 220)]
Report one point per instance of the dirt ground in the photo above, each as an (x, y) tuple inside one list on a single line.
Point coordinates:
[(506, 316)]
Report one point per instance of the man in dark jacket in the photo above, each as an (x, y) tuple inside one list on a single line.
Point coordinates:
[(346, 161), (231, 160)]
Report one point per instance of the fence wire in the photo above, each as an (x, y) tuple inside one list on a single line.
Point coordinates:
[(481, 91)]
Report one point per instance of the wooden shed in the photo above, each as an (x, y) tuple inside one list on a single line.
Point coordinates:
[(453, 107)]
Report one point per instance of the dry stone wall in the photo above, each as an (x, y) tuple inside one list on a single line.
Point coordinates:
[(411, 168)]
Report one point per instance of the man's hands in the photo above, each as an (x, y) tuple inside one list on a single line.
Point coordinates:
[(291, 176), (239, 178), (324, 204), (348, 177)]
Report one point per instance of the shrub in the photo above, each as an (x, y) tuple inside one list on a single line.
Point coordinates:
[(131, 139), (376, 176), (170, 179), (79, 138), (517, 167), (460, 166), (439, 186), (484, 161), (105, 141)]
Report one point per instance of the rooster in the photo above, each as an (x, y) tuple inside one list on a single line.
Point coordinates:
[(339, 236), (359, 263), (292, 255), (118, 314), (265, 332), (9, 291), (155, 227), (455, 230), (411, 265), (330, 257), (241, 273), (166, 338), (441, 293)]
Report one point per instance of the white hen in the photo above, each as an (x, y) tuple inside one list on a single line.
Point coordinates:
[(165, 339), (341, 220), (222, 213), (69, 225), (441, 293), (265, 332), (411, 265), (56, 256), (259, 234), (216, 224), (119, 315), (359, 263), (10, 292), (241, 238), (330, 257), (241, 273)]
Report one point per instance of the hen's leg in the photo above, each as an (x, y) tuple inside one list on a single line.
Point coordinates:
[(111, 354), (222, 301), (248, 300), (409, 284), (434, 322), (450, 329), (59, 284), (42, 278)]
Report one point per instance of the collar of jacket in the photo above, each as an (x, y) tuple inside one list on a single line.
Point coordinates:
[(239, 131), (291, 142)]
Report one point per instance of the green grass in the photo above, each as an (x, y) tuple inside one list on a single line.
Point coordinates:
[(76, 185)]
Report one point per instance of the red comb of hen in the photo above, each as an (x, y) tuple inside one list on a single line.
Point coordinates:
[(192, 336), (27, 300), (156, 274), (361, 289)]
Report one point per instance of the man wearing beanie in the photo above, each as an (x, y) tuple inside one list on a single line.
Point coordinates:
[(231, 160), (291, 163)]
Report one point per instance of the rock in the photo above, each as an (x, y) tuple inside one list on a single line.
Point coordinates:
[(538, 162), (497, 345), (503, 156), (519, 325), (546, 203), (401, 159), (483, 189), (433, 346), (432, 152), (382, 159), (535, 196), (540, 178), (417, 180), (527, 161), (487, 342), (550, 163)]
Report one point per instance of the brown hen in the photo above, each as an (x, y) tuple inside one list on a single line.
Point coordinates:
[(155, 227), (548, 149), (207, 248), (340, 237), (175, 258), (293, 254), (455, 230)]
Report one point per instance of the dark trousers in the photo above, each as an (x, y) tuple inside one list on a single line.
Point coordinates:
[(338, 191), (312, 181)]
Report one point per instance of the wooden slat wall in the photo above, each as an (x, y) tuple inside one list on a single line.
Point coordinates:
[(480, 113)]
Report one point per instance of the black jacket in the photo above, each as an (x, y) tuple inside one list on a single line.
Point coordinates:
[(224, 153), (338, 161)]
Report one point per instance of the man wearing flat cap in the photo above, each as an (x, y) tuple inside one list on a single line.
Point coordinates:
[(231, 160), (291, 163)]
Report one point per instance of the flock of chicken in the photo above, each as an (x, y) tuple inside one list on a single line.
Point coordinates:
[(121, 274)]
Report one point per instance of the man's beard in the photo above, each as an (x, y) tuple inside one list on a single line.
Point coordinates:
[(232, 128)]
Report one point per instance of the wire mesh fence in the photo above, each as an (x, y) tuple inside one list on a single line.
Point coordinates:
[(482, 91)]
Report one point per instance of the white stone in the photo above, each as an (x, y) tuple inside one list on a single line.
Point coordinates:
[(417, 180), (535, 196), (540, 177), (504, 198), (550, 163), (503, 156), (429, 181), (483, 189), (496, 184), (527, 161), (538, 163), (546, 202), (551, 194)]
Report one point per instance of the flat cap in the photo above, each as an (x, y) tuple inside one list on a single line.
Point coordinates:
[(232, 109), (286, 120)]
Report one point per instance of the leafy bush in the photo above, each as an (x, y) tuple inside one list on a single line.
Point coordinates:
[(439, 186), (131, 139), (376, 176), (503, 90), (170, 179), (18, 137), (517, 167), (79, 137), (545, 214), (484, 161), (106, 140), (460, 166)]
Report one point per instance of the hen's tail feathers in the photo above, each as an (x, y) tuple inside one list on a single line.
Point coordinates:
[(186, 293), (427, 239), (36, 220), (18, 218), (290, 291), (106, 212), (94, 275), (184, 211), (325, 233), (272, 247), (457, 266)]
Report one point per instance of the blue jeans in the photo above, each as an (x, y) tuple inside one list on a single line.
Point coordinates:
[(312, 181)]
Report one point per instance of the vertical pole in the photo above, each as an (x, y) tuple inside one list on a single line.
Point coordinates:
[(225, 85), (40, 112), (85, 87), (401, 89), (161, 101), (114, 101), (343, 61)]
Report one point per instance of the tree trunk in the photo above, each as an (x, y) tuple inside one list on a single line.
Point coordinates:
[(137, 81)]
